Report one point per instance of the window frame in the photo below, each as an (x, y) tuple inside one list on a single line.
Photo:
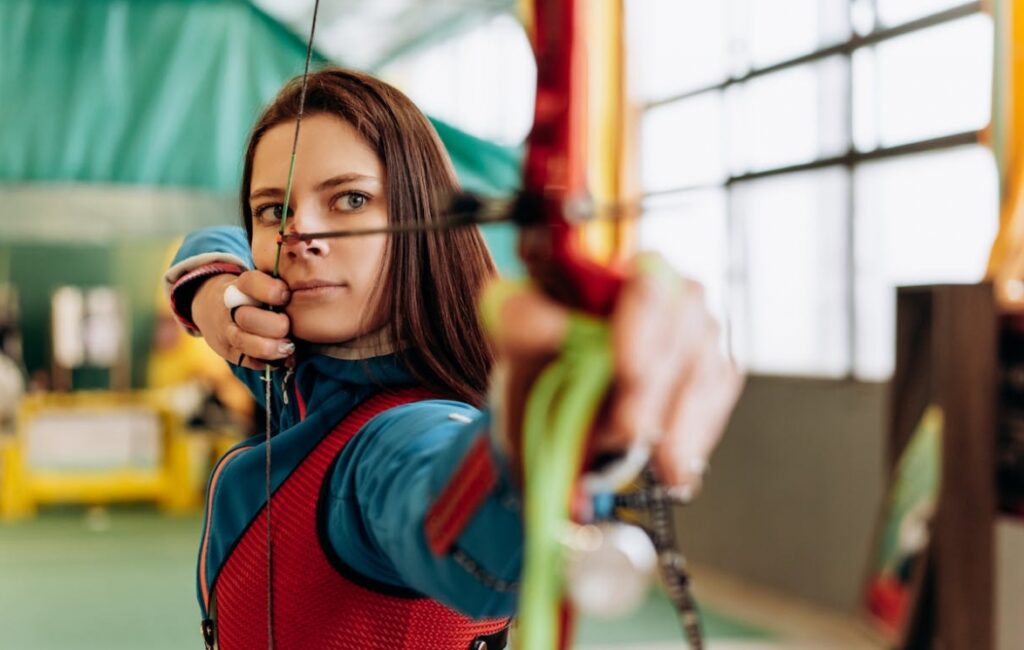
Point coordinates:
[(849, 159)]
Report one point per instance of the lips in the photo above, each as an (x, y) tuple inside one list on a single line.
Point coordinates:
[(308, 285), (315, 288)]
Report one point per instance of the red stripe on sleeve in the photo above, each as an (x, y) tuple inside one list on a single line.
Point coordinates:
[(468, 488), (184, 290)]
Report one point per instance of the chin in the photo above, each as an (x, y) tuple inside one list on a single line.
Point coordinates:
[(323, 330)]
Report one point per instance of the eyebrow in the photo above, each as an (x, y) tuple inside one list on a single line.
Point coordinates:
[(342, 180), (334, 181)]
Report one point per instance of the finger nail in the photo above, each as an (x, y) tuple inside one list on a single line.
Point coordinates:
[(682, 493), (286, 347), (285, 295)]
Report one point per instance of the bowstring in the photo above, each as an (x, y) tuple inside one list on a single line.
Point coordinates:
[(267, 372), (685, 608)]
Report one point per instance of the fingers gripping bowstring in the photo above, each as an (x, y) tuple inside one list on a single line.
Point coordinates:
[(267, 372)]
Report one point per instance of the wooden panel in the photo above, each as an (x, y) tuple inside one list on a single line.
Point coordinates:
[(946, 354), (964, 350)]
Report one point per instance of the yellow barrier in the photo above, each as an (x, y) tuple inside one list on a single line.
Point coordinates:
[(24, 486)]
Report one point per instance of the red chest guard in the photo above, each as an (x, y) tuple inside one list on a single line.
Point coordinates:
[(315, 606)]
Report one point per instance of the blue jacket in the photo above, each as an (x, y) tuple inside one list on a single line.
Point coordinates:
[(390, 475)]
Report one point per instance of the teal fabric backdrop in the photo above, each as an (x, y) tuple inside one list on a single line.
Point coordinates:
[(158, 92)]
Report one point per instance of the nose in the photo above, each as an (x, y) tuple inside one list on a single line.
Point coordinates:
[(304, 221)]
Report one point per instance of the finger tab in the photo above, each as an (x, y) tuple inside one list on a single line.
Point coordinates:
[(233, 297)]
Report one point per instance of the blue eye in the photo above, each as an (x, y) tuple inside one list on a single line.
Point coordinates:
[(272, 212), (350, 201)]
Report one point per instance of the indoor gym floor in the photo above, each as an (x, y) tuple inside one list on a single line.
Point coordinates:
[(125, 578)]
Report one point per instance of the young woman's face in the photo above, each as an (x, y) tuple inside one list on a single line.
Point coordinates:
[(338, 184)]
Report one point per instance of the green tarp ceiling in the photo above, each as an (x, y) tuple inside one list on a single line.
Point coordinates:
[(158, 93)]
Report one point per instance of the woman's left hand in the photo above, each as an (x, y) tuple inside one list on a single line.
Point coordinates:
[(674, 387)]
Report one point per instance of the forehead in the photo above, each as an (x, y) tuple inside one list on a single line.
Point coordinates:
[(328, 146)]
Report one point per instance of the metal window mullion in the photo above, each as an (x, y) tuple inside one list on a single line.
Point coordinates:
[(852, 333), (848, 47), (737, 269), (850, 158)]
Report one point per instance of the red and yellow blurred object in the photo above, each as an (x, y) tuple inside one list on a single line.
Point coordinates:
[(96, 448)]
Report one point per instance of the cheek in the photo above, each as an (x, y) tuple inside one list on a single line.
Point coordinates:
[(366, 272), (368, 259)]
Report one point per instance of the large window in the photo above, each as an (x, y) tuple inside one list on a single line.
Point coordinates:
[(482, 80), (802, 158)]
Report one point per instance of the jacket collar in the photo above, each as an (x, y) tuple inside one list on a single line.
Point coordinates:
[(377, 343), (358, 367)]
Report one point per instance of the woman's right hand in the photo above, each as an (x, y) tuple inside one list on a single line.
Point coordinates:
[(255, 332)]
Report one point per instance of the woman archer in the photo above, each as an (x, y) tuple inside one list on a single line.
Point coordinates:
[(395, 515)]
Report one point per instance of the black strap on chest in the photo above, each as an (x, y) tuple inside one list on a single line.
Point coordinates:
[(496, 641)]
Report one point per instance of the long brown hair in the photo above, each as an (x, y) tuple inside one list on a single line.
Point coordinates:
[(430, 282)]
